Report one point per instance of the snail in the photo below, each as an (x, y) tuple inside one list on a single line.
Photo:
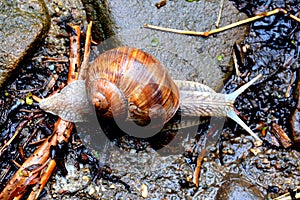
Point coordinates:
[(128, 84)]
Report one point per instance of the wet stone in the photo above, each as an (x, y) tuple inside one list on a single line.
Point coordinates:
[(185, 57), (23, 25), (237, 188)]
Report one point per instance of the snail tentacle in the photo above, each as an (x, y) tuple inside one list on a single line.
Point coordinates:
[(231, 114), (239, 91)]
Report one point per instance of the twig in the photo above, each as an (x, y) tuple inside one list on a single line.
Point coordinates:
[(74, 55), (49, 59), (220, 13), (202, 144), (17, 164), (294, 17), (21, 152), (85, 62), (198, 167), (236, 65), (281, 135), (17, 132), (239, 23), (46, 176), (287, 196), (18, 184), (36, 98), (161, 4)]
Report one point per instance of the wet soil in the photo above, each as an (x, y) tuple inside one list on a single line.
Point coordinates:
[(135, 170)]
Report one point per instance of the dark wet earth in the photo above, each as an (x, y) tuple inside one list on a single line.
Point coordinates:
[(232, 168)]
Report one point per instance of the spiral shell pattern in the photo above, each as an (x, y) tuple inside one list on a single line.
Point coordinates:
[(138, 79)]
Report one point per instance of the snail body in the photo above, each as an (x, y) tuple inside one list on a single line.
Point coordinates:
[(128, 84)]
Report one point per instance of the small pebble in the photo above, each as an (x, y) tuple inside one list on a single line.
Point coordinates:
[(144, 190), (230, 151), (51, 67), (86, 178), (255, 151), (86, 170), (265, 161), (92, 191), (103, 188), (57, 10), (132, 151)]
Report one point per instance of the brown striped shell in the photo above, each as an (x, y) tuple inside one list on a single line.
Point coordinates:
[(130, 84)]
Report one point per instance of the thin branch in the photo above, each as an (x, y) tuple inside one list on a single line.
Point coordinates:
[(86, 57), (208, 33), (17, 132), (220, 13)]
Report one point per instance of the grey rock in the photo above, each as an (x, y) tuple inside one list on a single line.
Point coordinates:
[(238, 188), (186, 57), (23, 24)]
